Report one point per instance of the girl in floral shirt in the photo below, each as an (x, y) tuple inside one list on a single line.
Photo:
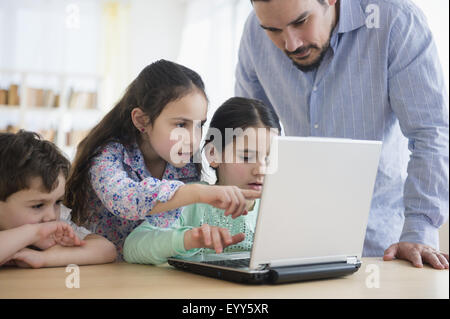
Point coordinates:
[(202, 227), (134, 164)]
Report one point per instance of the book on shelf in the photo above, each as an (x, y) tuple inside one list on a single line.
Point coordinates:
[(46, 134), (56, 101), (13, 95), (34, 97), (49, 98), (40, 97), (49, 135), (82, 100), (3, 97), (9, 129), (73, 138)]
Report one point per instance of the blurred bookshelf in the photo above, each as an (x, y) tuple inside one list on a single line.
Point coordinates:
[(61, 107)]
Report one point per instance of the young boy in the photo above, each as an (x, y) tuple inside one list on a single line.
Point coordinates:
[(35, 228)]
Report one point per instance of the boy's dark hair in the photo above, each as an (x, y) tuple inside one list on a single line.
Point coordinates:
[(25, 155), (156, 85)]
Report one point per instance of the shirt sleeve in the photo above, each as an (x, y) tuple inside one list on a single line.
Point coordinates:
[(148, 244), (420, 101), (247, 83), (65, 216), (121, 195)]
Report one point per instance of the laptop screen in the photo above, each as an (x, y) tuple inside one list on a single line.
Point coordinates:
[(315, 204)]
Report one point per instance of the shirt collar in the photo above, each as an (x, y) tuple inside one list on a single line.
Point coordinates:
[(351, 15)]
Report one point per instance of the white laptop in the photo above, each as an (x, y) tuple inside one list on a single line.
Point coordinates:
[(312, 217)]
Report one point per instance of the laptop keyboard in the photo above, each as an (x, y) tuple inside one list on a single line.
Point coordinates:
[(232, 263)]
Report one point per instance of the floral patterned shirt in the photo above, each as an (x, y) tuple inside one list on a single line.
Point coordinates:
[(123, 192)]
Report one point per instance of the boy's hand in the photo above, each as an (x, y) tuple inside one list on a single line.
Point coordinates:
[(9, 262), (56, 232), (230, 198), (29, 258), (212, 237)]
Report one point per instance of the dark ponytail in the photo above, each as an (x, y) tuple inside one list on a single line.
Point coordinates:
[(239, 112)]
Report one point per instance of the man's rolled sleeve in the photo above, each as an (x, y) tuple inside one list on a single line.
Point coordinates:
[(418, 229)]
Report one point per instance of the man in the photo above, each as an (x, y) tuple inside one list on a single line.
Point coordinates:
[(361, 69)]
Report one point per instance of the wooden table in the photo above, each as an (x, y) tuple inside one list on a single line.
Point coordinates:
[(396, 279)]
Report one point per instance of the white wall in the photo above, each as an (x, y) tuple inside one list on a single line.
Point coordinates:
[(155, 31), (136, 33), (210, 43), (437, 13)]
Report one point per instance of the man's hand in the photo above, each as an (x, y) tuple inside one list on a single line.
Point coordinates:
[(212, 237), (417, 254)]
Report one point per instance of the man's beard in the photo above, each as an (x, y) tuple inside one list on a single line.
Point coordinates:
[(314, 64)]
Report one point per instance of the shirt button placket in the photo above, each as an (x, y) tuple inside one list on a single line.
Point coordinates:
[(313, 111)]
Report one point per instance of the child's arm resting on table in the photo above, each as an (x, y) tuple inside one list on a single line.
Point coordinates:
[(96, 250), (42, 235)]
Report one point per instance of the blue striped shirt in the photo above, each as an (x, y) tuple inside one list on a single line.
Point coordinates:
[(381, 82)]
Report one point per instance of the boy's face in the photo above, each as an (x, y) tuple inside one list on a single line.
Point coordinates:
[(33, 205)]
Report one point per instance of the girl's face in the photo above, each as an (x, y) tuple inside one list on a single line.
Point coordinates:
[(176, 133), (244, 160)]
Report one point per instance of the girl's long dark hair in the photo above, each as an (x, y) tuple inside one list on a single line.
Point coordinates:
[(156, 85)]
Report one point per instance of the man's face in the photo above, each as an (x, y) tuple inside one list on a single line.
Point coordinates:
[(33, 205), (300, 28)]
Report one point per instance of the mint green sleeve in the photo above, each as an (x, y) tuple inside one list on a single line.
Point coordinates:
[(148, 244)]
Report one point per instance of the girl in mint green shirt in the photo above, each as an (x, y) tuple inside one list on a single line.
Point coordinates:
[(236, 147)]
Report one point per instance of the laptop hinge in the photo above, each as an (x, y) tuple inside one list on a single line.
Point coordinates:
[(262, 266), (352, 260)]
